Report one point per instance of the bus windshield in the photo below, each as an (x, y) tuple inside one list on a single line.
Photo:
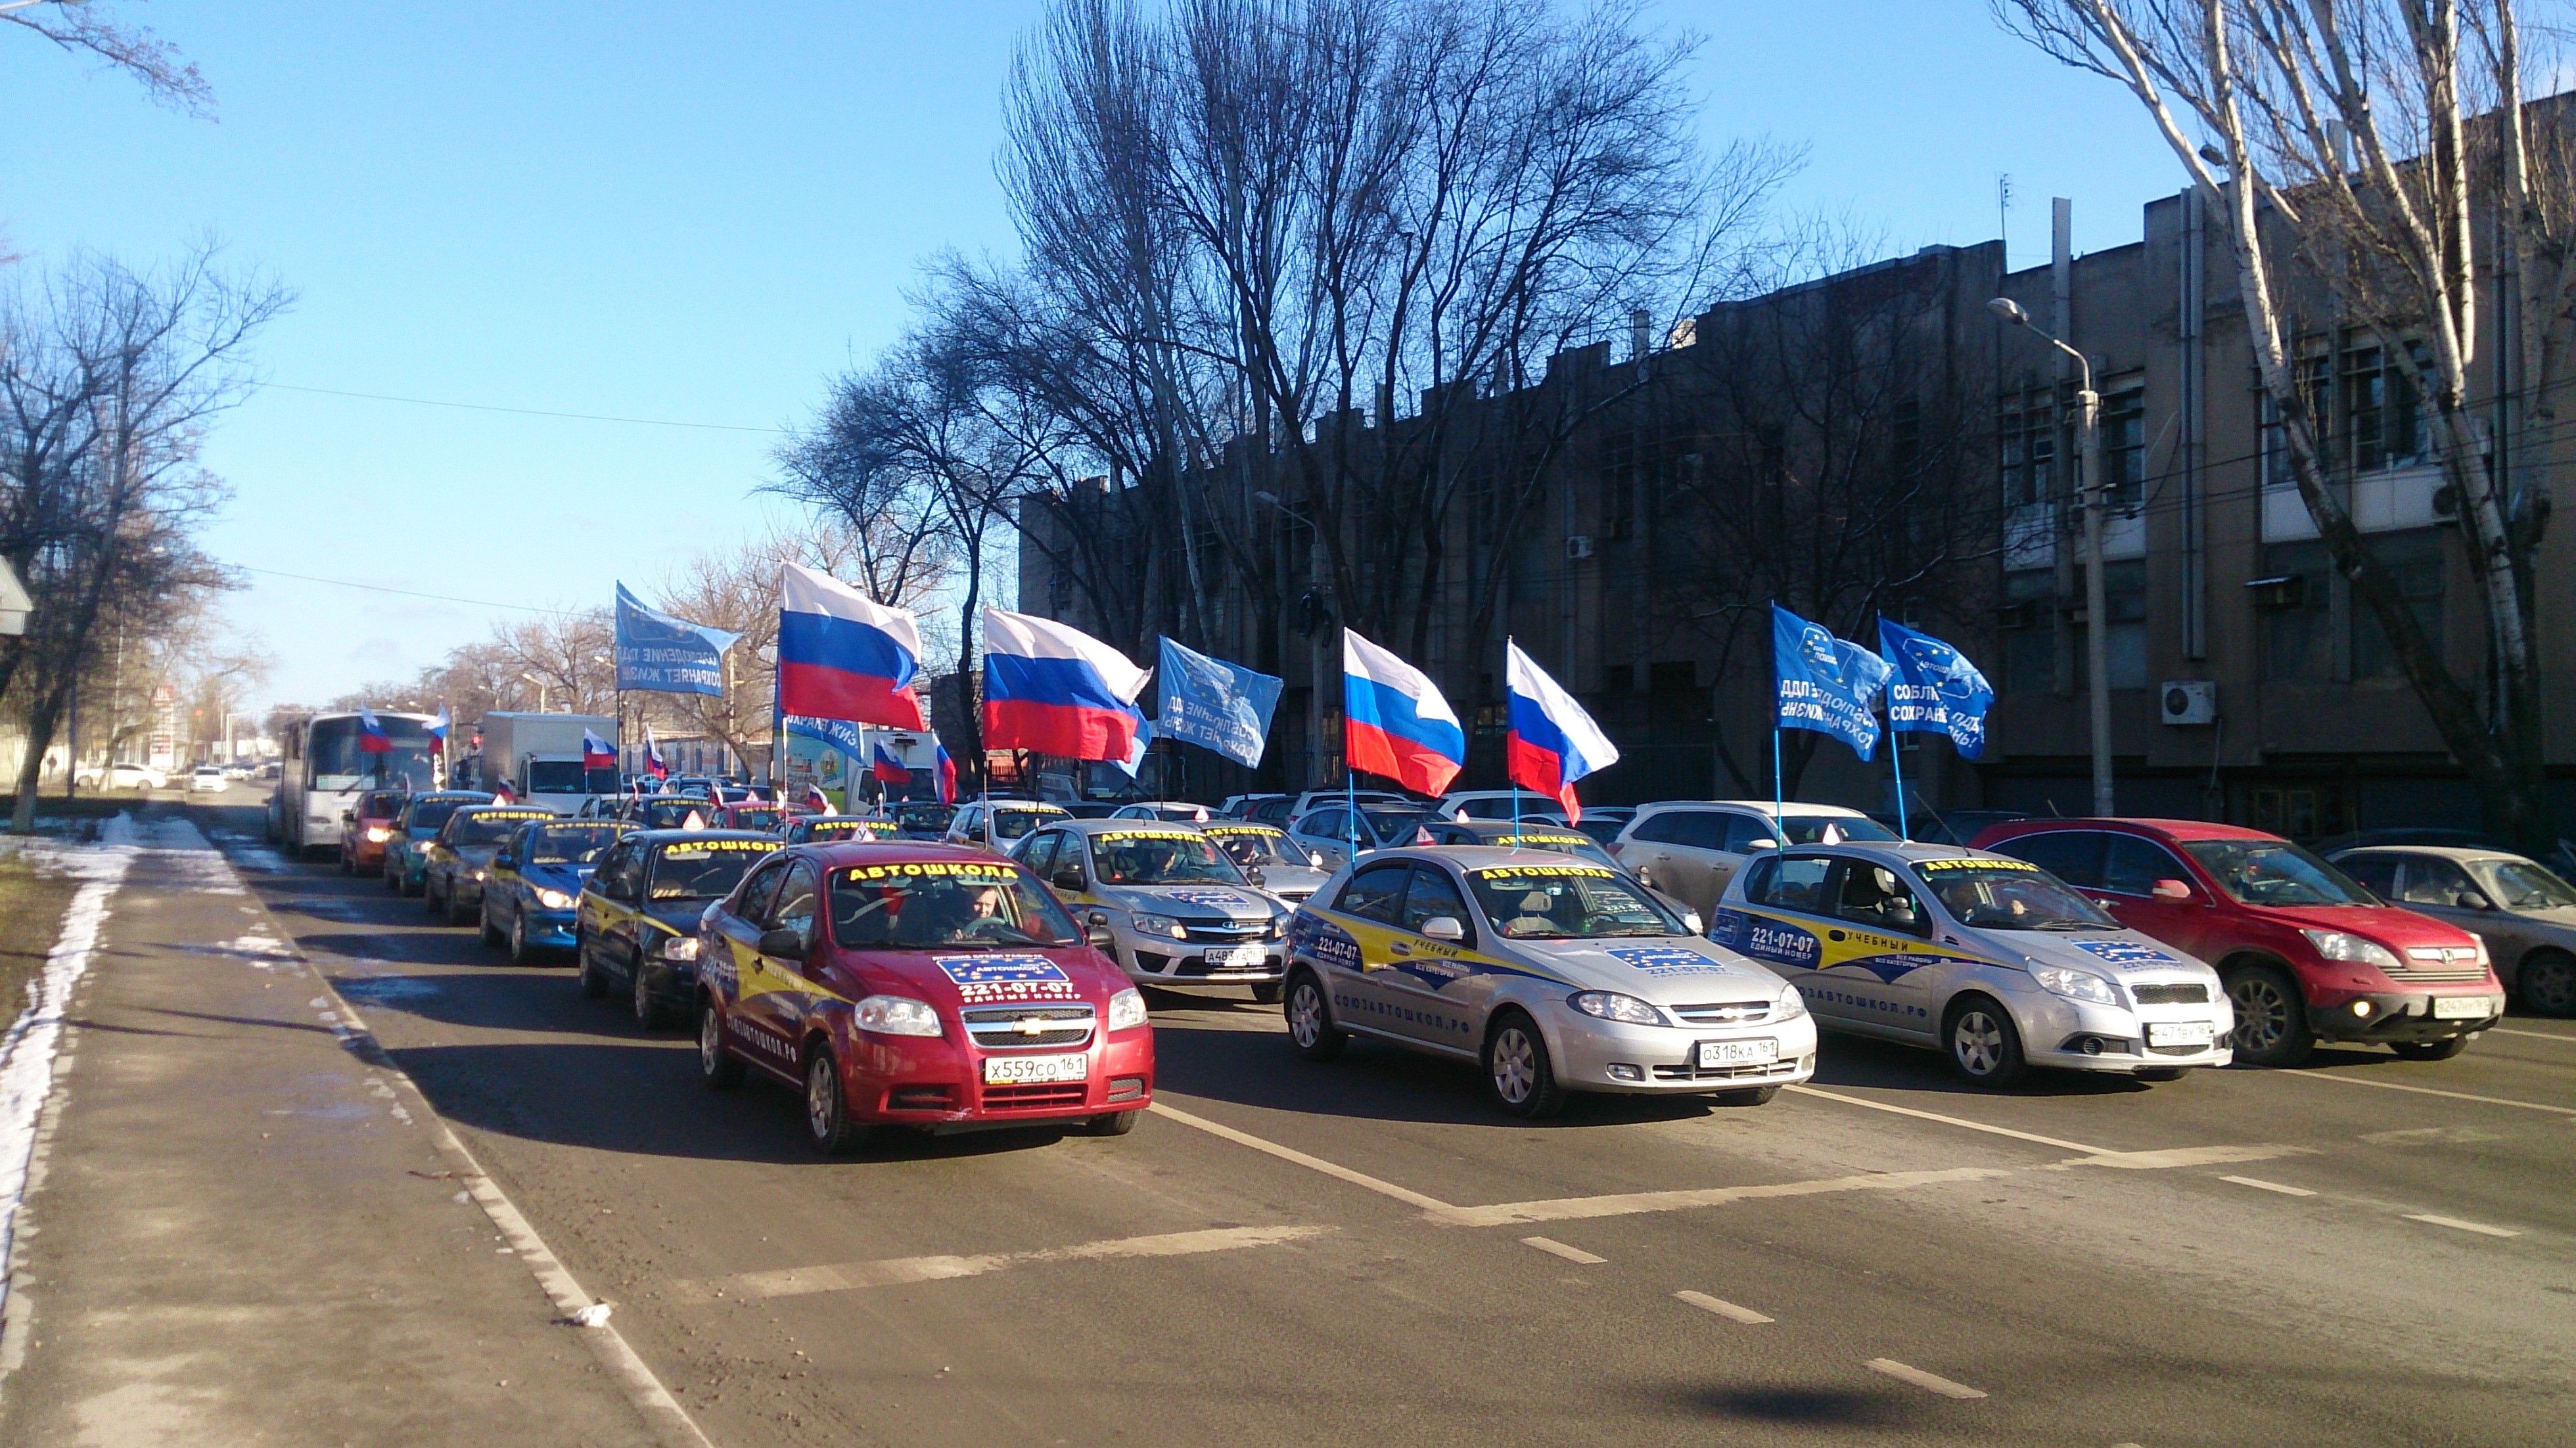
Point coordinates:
[(338, 762)]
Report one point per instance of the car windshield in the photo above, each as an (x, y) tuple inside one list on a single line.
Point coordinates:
[(670, 814), (2009, 895), (1010, 824), (429, 814), (1255, 846), (2522, 885), (2275, 872), (1159, 857), (839, 829), (490, 829), (1832, 829), (1559, 842), (705, 869), (945, 904), (570, 844), (753, 819), (925, 818), (377, 806), (1567, 902)]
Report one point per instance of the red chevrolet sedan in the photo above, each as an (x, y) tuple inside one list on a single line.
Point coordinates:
[(904, 984), (2305, 953)]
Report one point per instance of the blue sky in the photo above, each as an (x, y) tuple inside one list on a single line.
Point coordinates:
[(694, 213)]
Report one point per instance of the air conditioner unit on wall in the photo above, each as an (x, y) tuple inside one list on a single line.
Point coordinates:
[(1578, 545), (2188, 701)]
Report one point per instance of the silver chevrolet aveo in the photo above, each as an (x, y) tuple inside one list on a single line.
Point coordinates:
[(1989, 959)]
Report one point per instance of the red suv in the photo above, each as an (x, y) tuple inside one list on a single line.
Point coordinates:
[(2306, 954)]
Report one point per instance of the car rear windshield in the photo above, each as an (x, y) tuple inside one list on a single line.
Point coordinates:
[(1251, 845), (2275, 872), (946, 905), (924, 817), (1999, 895), (1555, 842), (1831, 829), (379, 806), (755, 819), (670, 814), (704, 869), (1567, 902), (488, 829), (834, 829), (1160, 857), (1010, 824), (570, 844)]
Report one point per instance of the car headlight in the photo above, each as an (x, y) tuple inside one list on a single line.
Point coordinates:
[(1789, 1006), (554, 900), (1278, 927), (2353, 949), (2078, 985), (678, 947), (897, 1016), (1126, 1009), (377, 834), (478, 875), (1609, 1005), (1160, 925), (2484, 962)]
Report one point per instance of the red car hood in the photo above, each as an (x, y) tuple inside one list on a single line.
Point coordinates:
[(2384, 923), (957, 978)]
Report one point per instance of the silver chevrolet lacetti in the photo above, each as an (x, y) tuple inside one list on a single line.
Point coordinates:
[(1551, 972), (1991, 960)]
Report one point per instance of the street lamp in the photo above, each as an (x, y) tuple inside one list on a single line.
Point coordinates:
[(2088, 424), (541, 692)]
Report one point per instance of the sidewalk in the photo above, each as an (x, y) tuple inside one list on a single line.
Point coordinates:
[(239, 1231)]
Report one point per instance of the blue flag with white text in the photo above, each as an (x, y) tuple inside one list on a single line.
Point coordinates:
[(1936, 690), (1825, 683), (1206, 701), (657, 653)]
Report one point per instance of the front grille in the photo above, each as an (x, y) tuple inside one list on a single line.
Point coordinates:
[(2185, 1050), (1226, 934), (919, 1098), (2441, 963), (999, 1028), (1754, 1070), (2171, 995), (1723, 1013), (1042, 1094), (2439, 976)]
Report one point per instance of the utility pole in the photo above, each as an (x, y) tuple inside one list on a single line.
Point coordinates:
[(2090, 499)]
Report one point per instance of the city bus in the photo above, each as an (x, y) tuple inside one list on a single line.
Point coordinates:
[(324, 769)]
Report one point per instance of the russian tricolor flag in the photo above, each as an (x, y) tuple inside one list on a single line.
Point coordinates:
[(947, 775), (1057, 690), (653, 762), (372, 738), (1552, 742), (1396, 725), (843, 655), (597, 753), (887, 768)]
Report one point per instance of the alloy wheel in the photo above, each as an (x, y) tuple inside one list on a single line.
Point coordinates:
[(1305, 1016), (1515, 1065), (821, 1087), (710, 1041), (2262, 1013), (1978, 1042)]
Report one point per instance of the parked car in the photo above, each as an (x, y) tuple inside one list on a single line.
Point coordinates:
[(760, 818), (460, 855), (921, 819), (1497, 804), (999, 824), (237, 770), (1089, 809), (649, 811), (917, 985), (1947, 827), (535, 880), (1553, 974), (1176, 811), (1553, 838), (1986, 958), (367, 830), (407, 843), (1689, 849), (635, 927), (1239, 806), (1337, 832), (120, 775), (1268, 858), (1163, 902), (2306, 952), (2525, 914), (206, 779), (1603, 822), (835, 828)]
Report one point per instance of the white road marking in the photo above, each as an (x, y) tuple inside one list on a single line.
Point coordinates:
[(896, 1271), (2532, 1035), (1921, 1379), (2261, 1185), (1623, 1204), (2418, 1090), (1432, 1205), (2190, 1156), (2481, 1228), (1959, 1121), (1556, 1248), (1722, 1308)]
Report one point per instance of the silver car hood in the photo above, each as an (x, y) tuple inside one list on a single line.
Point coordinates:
[(1293, 879), (1667, 970), (2122, 954), (1191, 902)]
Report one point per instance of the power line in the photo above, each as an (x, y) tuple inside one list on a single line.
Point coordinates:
[(526, 411), (410, 593)]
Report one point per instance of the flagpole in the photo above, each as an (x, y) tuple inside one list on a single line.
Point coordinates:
[(1777, 807), (1507, 745), (1896, 757)]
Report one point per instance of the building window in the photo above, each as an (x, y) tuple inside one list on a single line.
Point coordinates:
[(2414, 561), (2296, 597), (2124, 639), (2383, 420), (2028, 636), (2026, 432), (2312, 374), (2124, 447)]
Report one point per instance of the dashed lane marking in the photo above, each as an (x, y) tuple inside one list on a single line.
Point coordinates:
[(896, 1271), (2454, 1223), (1567, 1209), (1555, 1248), (2191, 1156), (1958, 1121), (1430, 1205), (1933, 1382), (1723, 1308), (2418, 1090), (2532, 1035), (2260, 1185)]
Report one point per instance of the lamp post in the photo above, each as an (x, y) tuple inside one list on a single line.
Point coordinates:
[(541, 692), (1320, 649), (2088, 424)]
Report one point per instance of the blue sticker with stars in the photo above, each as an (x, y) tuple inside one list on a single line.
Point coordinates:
[(1665, 960), (2123, 952)]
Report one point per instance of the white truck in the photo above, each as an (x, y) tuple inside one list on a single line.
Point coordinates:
[(539, 756)]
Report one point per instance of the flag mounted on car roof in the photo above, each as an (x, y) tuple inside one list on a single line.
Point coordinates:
[(1552, 741), (843, 655)]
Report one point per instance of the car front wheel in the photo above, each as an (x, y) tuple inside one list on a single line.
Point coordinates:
[(2271, 1019), (648, 1009), (1518, 1071), (716, 1065), (1985, 1048), (520, 953), (1310, 1022), (827, 1108)]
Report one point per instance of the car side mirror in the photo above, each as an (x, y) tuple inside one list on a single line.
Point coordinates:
[(505, 861), (1256, 878), (1096, 928), (1314, 861), (1750, 845), (1067, 879), (2171, 890), (783, 943), (2472, 900), (1444, 927)]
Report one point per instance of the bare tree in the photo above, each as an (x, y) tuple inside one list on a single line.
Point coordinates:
[(85, 27), (2341, 146)]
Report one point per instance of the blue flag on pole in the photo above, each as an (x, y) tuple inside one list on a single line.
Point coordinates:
[(660, 654), (1206, 701), (1825, 683), (1936, 689)]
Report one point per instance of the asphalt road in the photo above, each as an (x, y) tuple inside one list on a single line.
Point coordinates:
[(2367, 1251)]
